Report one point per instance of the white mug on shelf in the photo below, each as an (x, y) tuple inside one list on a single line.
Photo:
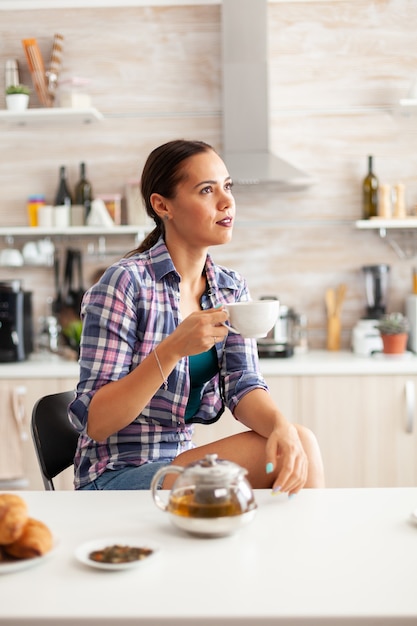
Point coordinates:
[(61, 216), (46, 216)]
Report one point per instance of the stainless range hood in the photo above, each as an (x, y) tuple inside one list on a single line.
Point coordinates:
[(245, 99)]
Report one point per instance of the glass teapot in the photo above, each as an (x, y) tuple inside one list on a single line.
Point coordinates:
[(210, 497)]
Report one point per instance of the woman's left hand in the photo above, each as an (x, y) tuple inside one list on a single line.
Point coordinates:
[(285, 452)]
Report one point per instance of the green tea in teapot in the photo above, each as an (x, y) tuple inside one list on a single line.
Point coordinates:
[(196, 504)]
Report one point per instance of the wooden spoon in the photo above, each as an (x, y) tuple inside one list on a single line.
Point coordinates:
[(330, 298), (340, 298)]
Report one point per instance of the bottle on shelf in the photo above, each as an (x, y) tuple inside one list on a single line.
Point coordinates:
[(84, 192), (33, 204), (63, 201), (385, 201), (63, 195), (11, 74), (370, 193)]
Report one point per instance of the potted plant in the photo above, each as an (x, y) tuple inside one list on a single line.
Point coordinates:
[(393, 328), (17, 97)]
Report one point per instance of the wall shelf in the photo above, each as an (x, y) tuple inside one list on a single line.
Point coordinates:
[(10, 5), (57, 114), (87, 231), (387, 224), (400, 234)]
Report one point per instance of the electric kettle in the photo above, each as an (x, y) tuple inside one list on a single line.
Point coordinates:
[(210, 497)]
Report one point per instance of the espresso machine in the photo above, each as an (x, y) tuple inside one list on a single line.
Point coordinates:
[(16, 329), (366, 339)]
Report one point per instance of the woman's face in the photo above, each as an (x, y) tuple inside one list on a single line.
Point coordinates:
[(203, 210)]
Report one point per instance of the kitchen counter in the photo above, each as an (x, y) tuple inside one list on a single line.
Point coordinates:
[(326, 556), (40, 365), (343, 363), (314, 363)]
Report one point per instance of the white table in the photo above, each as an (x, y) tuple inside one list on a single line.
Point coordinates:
[(325, 557)]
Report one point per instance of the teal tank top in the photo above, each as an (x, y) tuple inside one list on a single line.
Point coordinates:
[(202, 367)]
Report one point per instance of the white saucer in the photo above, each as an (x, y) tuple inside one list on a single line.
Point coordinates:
[(83, 551), (15, 565)]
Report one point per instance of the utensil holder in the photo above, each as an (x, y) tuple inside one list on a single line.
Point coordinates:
[(333, 333)]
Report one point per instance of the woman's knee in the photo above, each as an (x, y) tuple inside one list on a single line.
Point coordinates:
[(315, 462), (306, 435)]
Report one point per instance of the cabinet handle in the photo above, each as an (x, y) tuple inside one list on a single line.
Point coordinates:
[(19, 413), (409, 405)]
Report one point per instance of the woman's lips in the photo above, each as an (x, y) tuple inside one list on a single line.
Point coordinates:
[(226, 221)]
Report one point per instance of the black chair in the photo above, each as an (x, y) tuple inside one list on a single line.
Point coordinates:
[(54, 437)]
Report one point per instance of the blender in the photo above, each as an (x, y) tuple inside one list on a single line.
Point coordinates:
[(366, 339), (376, 285)]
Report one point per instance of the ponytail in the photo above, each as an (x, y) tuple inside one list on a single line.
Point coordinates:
[(149, 241)]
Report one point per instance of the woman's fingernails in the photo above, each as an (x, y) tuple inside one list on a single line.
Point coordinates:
[(291, 495), (276, 490), (269, 468)]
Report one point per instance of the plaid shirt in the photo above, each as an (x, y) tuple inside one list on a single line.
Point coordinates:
[(133, 307)]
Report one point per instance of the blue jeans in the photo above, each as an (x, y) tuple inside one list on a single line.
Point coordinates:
[(126, 478)]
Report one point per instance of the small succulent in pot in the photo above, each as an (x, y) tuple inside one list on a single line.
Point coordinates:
[(393, 324), (17, 97), (18, 89)]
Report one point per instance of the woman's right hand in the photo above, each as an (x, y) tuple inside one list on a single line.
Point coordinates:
[(200, 331)]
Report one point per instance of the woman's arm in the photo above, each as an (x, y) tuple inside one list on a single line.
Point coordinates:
[(117, 403)]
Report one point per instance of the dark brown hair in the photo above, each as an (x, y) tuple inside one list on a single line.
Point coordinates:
[(161, 174)]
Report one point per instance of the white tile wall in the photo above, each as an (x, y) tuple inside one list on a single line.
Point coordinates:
[(337, 71)]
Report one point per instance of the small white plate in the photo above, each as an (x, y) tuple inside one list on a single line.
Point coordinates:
[(82, 553), (6, 567)]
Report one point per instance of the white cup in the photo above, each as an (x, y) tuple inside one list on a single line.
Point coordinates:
[(253, 319), (46, 247), (61, 216), (11, 257), (46, 216), (31, 252)]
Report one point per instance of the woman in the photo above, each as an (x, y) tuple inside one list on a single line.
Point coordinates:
[(156, 355)]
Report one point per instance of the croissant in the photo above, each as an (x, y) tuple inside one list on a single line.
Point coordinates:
[(13, 517), (35, 540)]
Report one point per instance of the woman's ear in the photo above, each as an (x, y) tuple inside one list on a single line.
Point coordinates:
[(159, 206)]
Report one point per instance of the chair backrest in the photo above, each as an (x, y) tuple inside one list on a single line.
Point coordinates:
[(54, 437)]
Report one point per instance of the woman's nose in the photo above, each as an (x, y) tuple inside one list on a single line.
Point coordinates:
[(226, 201)]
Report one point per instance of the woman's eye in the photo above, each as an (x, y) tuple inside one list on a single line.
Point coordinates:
[(206, 189), (229, 186)]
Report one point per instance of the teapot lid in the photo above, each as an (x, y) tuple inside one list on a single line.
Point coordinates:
[(214, 470)]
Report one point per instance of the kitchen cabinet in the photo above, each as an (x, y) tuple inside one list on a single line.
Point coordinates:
[(19, 395), (365, 426), (334, 409)]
